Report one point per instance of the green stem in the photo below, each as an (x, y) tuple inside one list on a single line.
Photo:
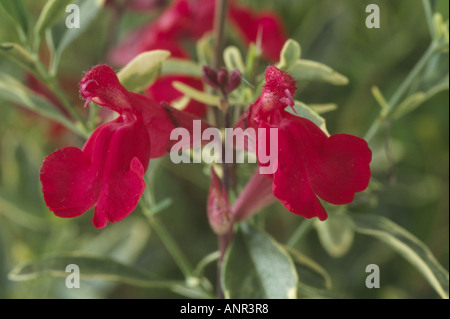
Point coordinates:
[(400, 92), (176, 253), (168, 241), (54, 87), (192, 276), (299, 232), (429, 17)]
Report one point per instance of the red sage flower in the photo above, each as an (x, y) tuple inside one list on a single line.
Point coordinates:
[(311, 165), (108, 172)]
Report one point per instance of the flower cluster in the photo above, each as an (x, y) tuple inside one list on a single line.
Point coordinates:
[(108, 172)]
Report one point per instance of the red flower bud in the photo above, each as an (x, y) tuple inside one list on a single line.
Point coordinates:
[(234, 80), (210, 76), (219, 211), (222, 77)]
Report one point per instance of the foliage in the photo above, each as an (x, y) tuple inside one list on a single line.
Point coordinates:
[(387, 85)]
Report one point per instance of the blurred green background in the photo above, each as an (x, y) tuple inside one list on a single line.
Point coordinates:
[(414, 194)]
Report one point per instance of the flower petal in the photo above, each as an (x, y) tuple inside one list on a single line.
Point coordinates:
[(108, 172), (126, 160), (102, 86), (344, 169), (336, 167), (71, 178), (276, 94), (291, 180), (266, 24)]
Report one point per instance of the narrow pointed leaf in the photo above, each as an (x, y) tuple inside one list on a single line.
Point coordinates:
[(233, 59), (311, 274), (143, 70), (196, 94), (16, 10), (323, 108), (407, 245), (181, 67), (15, 92), (50, 14), (307, 70), (335, 234), (305, 111), (91, 267), (63, 36), (417, 99), (19, 55)]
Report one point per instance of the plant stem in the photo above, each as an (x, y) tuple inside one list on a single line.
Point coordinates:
[(429, 17), (400, 92), (220, 15), (168, 241), (299, 232), (177, 255), (53, 86)]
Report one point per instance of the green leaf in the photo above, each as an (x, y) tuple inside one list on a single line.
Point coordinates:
[(407, 245), (16, 10), (50, 14), (311, 274), (196, 94), (380, 99), (305, 111), (415, 100), (143, 70), (251, 61), (233, 59), (205, 49), (181, 66), (256, 266), (335, 234), (409, 104), (307, 70), (20, 217), (13, 91), (18, 54), (62, 36), (440, 28), (289, 55), (323, 108), (91, 267)]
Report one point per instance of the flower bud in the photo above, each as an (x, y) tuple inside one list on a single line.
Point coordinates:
[(219, 211), (222, 80), (210, 76), (222, 77), (234, 80)]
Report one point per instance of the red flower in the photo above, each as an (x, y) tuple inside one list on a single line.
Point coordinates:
[(310, 163), (191, 19), (108, 172), (266, 25)]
